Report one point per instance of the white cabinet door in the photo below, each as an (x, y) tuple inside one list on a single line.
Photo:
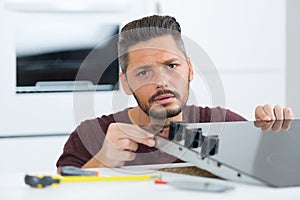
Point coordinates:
[(31, 155)]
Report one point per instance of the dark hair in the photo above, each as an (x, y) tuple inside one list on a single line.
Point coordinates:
[(145, 29)]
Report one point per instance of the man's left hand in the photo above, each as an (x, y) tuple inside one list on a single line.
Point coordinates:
[(268, 113)]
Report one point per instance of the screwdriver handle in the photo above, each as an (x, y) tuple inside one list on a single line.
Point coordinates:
[(41, 181)]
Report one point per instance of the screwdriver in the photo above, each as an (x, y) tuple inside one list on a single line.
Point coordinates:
[(41, 181)]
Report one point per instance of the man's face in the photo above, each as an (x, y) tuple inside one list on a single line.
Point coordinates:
[(158, 75)]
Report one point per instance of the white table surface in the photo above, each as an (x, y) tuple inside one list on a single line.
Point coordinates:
[(12, 186)]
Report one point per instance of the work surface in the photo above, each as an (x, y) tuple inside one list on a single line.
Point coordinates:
[(12, 186)]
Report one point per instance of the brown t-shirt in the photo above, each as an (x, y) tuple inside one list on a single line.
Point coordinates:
[(88, 137)]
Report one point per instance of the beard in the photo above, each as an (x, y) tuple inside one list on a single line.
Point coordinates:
[(164, 113), (158, 111)]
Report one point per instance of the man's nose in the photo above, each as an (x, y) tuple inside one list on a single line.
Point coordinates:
[(161, 79)]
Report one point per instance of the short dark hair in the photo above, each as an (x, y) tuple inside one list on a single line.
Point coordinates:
[(145, 29)]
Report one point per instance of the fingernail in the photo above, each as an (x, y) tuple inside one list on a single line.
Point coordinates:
[(268, 118), (151, 142), (150, 135)]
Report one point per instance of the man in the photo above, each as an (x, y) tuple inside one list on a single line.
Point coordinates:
[(157, 71)]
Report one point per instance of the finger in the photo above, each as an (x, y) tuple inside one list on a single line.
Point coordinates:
[(288, 113), (126, 144), (260, 114), (136, 134), (124, 156), (286, 124), (109, 162), (277, 126), (259, 124), (267, 126), (133, 130), (115, 163), (278, 112), (269, 111)]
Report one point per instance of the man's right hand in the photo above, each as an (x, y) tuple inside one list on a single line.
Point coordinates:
[(120, 144)]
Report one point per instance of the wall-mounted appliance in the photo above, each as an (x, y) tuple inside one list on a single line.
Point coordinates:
[(54, 43)]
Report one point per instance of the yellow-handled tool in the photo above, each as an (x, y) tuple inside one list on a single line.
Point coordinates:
[(41, 181)]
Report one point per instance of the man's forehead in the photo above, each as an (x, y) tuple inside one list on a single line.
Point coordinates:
[(154, 54), (152, 57), (163, 43), (155, 50)]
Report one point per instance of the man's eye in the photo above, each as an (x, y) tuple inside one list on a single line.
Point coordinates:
[(172, 66), (142, 73)]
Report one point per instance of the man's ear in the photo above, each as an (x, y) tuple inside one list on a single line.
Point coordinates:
[(191, 70), (124, 83)]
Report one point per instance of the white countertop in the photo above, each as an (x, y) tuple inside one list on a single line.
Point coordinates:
[(12, 186)]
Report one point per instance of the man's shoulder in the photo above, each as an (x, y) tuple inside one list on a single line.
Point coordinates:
[(120, 116), (100, 124), (104, 120), (194, 114)]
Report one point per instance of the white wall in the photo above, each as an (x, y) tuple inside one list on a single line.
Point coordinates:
[(293, 58), (247, 42)]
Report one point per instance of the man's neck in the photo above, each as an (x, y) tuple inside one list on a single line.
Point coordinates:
[(139, 117)]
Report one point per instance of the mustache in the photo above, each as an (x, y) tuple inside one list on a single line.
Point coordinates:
[(161, 92)]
